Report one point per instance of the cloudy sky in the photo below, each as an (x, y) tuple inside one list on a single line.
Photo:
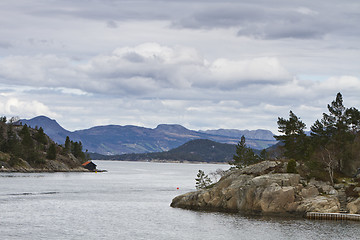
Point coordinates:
[(205, 64)]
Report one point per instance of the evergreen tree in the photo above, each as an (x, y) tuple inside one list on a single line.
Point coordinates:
[(294, 138), (12, 144), (76, 150), (335, 132), (335, 121), (51, 153), (67, 145), (40, 136), (202, 180), (244, 155), (27, 140), (353, 119)]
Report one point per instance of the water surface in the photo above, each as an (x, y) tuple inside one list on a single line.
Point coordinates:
[(131, 201)]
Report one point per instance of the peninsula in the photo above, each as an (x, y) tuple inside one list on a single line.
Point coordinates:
[(315, 172), (25, 149)]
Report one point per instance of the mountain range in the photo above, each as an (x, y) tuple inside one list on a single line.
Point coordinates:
[(198, 150), (116, 139)]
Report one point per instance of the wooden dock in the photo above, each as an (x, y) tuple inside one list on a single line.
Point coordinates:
[(332, 216)]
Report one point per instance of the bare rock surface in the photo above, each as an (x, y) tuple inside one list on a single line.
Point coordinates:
[(354, 206), (258, 189)]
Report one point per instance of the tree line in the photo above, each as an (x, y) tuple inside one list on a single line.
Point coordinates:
[(331, 148), (333, 143), (21, 142)]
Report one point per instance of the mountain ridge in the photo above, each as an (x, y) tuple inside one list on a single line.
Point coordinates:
[(117, 139), (198, 150)]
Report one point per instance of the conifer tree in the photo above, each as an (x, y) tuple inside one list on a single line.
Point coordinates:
[(202, 180), (67, 145), (244, 155), (294, 138), (27, 140), (51, 153), (40, 136), (333, 134)]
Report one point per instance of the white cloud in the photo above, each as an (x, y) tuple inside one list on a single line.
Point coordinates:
[(306, 11), (15, 107), (232, 74), (340, 83)]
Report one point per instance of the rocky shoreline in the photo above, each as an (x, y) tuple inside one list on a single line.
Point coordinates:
[(48, 166), (40, 170), (265, 188)]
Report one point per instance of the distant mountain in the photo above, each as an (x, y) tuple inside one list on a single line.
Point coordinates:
[(199, 150), (116, 139), (51, 128), (249, 134)]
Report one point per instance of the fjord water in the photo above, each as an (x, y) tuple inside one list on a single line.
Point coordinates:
[(131, 201)]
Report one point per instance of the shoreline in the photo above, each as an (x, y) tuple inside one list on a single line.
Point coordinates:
[(7, 170), (163, 161)]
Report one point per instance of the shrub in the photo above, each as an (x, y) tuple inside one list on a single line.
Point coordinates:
[(291, 166)]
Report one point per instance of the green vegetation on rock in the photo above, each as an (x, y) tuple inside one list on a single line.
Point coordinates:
[(244, 155), (333, 147), (29, 149)]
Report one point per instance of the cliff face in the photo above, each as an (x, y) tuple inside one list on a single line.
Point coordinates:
[(259, 189)]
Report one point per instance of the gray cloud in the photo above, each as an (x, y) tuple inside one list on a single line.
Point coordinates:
[(142, 70), (280, 20), (111, 24), (252, 18), (210, 64), (5, 45)]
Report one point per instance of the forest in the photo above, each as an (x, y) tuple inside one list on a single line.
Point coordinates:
[(23, 148)]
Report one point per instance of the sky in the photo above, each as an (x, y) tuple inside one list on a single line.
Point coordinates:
[(204, 64)]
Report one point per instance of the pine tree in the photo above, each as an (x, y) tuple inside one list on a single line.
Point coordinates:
[(244, 155), (27, 141), (51, 153), (353, 119), (40, 136), (67, 145), (12, 144), (202, 180), (294, 138), (335, 132)]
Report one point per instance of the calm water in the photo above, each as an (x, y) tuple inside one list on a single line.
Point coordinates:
[(131, 201)]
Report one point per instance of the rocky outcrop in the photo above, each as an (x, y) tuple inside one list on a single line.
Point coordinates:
[(262, 188), (62, 164), (354, 206)]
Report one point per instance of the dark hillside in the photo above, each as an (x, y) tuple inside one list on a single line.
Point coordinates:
[(199, 150)]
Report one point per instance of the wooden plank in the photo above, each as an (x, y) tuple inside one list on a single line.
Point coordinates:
[(332, 216)]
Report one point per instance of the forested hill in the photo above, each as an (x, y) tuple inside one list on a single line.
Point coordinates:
[(199, 150), (25, 149)]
